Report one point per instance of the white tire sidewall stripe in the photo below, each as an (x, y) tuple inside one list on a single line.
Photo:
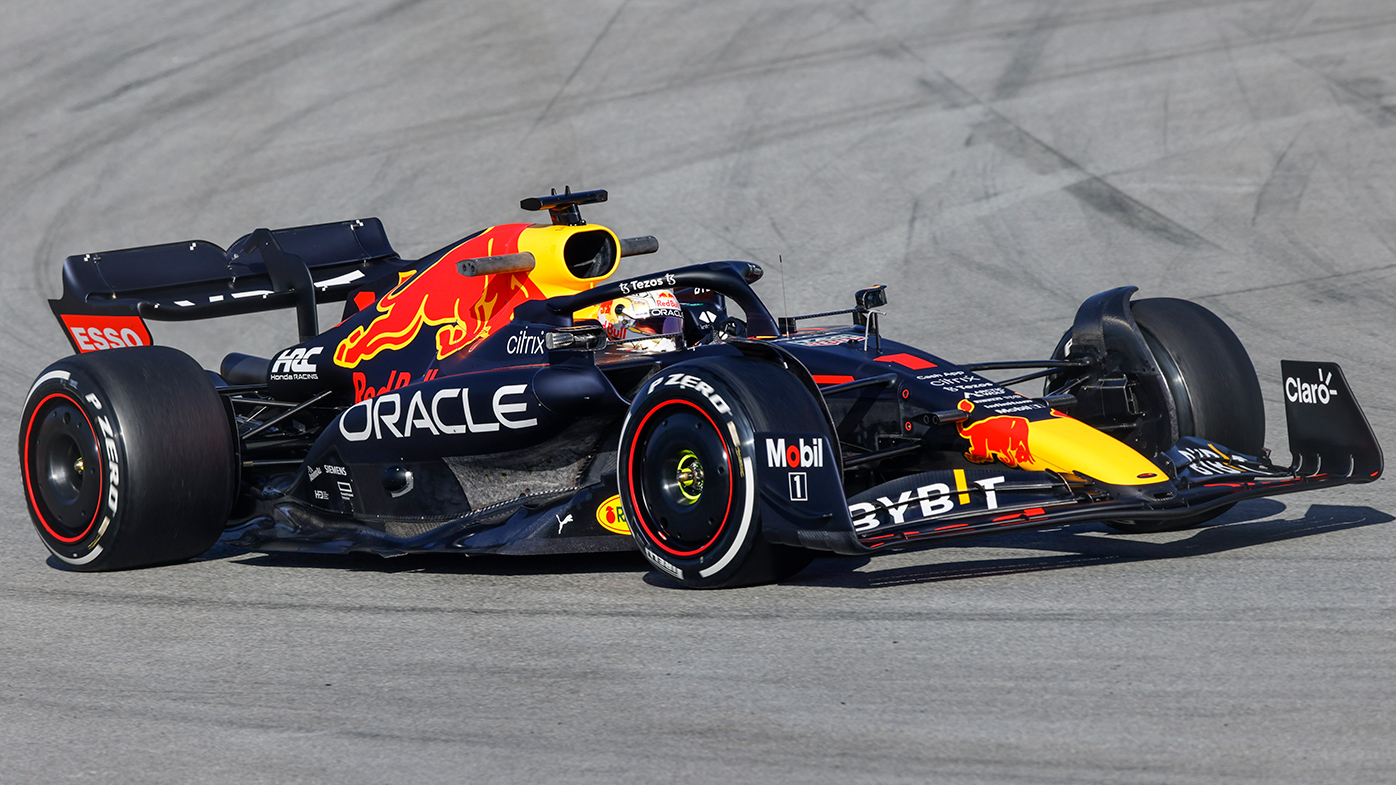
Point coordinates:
[(63, 375), (748, 507), (95, 552)]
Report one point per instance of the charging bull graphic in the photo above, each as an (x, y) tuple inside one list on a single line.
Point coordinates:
[(1002, 437), (464, 309)]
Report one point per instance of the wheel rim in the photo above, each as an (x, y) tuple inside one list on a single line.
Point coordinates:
[(688, 477), (1175, 381), (63, 468), (680, 476)]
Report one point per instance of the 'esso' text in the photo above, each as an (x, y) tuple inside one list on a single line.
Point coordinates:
[(91, 339)]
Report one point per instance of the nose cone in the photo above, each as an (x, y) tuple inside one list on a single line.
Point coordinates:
[(1158, 495), (1060, 444)]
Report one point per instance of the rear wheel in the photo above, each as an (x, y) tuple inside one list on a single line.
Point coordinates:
[(687, 470), (1212, 383), (127, 458)]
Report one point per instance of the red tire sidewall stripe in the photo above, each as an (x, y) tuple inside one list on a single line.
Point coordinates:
[(630, 479), (28, 480)]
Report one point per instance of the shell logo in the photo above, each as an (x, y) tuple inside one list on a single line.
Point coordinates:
[(611, 516)]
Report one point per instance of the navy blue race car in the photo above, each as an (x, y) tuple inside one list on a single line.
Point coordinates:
[(502, 395)]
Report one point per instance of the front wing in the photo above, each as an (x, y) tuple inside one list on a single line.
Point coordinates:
[(1329, 438)]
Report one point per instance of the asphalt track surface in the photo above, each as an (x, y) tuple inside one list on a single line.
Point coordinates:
[(993, 162)]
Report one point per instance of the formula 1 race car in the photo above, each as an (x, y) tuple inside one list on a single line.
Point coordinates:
[(499, 396)]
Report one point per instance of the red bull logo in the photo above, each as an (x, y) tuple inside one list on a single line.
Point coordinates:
[(666, 303), (609, 314), (463, 309), (396, 380), (1001, 437)]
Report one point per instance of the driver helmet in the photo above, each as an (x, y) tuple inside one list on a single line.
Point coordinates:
[(655, 312)]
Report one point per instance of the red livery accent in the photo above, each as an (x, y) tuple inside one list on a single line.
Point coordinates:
[(464, 309), (1025, 515), (396, 380), (909, 360), (1003, 437), (364, 299), (94, 333), (831, 379)]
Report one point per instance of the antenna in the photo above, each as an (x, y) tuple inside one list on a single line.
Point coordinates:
[(784, 303)]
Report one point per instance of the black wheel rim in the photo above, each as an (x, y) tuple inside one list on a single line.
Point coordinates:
[(680, 475), (63, 468), (1177, 385)]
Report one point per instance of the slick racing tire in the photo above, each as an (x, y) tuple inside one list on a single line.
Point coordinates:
[(1211, 380), (127, 458), (686, 469)]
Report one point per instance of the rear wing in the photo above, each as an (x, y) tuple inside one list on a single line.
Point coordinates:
[(108, 296)]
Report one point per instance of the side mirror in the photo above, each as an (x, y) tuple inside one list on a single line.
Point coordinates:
[(587, 338), (868, 299)]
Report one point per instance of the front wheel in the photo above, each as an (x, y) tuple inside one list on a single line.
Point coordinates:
[(687, 475), (127, 458), (1212, 383)]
